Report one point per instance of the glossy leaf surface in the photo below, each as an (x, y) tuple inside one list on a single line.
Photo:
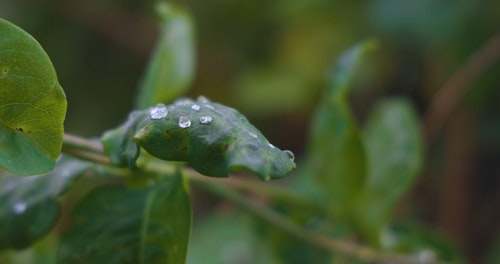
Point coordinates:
[(28, 205), (114, 224), (337, 157), (214, 139), (172, 64), (32, 104), (394, 151)]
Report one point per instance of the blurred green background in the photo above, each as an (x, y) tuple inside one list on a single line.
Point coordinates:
[(269, 60)]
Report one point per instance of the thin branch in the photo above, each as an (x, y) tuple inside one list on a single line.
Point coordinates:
[(281, 222), (91, 150), (447, 98), (73, 141), (83, 148)]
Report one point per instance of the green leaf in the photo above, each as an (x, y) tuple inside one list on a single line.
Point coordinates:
[(32, 104), (286, 248), (226, 237), (337, 157), (426, 244), (172, 65), (394, 151), (114, 224), (214, 139), (28, 206)]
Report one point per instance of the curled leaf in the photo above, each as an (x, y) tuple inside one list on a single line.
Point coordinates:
[(214, 139)]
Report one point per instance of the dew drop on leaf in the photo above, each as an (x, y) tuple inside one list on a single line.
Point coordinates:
[(184, 122), (209, 106), (206, 119), (203, 99), (289, 154), (195, 107), (252, 135), (271, 145), (19, 207), (158, 112)]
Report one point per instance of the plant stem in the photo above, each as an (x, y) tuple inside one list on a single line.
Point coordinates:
[(92, 150), (313, 238), (447, 98), (83, 148)]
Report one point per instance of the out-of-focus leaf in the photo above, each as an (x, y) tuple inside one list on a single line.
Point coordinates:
[(337, 157), (426, 244), (41, 252), (172, 65), (285, 248), (28, 206), (493, 256), (225, 238), (32, 104), (394, 151), (114, 224), (213, 138)]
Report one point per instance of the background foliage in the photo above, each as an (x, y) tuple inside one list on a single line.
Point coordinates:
[(269, 59)]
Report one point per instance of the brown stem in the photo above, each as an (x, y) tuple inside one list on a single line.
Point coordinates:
[(91, 150), (447, 98)]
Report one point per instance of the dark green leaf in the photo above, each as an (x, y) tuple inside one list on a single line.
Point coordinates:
[(32, 104), (337, 158), (28, 206), (212, 138), (171, 68), (114, 224), (394, 151)]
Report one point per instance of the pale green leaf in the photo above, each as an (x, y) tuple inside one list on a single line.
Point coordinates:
[(337, 158), (394, 152), (32, 104), (172, 64)]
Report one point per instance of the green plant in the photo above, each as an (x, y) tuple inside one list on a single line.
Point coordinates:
[(128, 207)]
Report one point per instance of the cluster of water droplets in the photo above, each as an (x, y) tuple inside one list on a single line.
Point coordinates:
[(206, 120), (160, 111)]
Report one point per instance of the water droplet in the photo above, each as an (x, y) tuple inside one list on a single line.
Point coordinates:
[(184, 122), (289, 154), (271, 146), (206, 119), (209, 106), (195, 107), (183, 102), (252, 135), (203, 99), (158, 112), (19, 207)]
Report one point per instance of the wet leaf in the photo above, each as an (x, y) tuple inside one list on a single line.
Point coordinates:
[(32, 104), (214, 139), (337, 157), (394, 152), (114, 224), (172, 64), (28, 205)]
